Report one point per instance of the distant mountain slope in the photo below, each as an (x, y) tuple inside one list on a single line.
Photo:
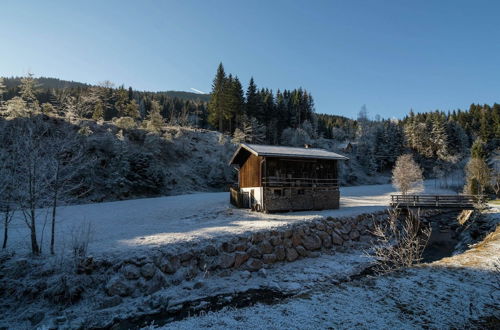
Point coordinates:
[(55, 83)]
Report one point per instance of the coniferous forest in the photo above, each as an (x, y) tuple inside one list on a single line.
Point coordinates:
[(128, 121)]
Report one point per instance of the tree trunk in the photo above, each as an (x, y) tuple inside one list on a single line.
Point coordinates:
[(5, 229), (54, 207), (34, 244)]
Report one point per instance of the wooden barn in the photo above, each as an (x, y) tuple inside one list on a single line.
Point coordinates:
[(277, 178)]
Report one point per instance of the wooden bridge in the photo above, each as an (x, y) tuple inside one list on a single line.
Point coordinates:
[(434, 201)]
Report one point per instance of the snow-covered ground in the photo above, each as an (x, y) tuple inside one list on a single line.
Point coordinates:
[(152, 222), (458, 292)]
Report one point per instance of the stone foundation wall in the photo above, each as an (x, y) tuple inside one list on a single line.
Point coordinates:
[(246, 252), (309, 199)]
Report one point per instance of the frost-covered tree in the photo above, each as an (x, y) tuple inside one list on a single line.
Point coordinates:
[(478, 176), (154, 121), (27, 91), (406, 174), (8, 185), (254, 131), (239, 136), (3, 89), (296, 137)]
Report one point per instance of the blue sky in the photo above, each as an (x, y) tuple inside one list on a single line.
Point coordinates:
[(389, 55)]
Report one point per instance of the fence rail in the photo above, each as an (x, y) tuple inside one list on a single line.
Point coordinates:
[(271, 181), (435, 201)]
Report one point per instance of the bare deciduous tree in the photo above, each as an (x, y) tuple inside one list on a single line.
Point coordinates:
[(400, 242), (406, 174)]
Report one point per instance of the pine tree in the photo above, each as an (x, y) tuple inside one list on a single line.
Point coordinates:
[(27, 91), (215, 115), (132, 110), (252, 100), (98, 113), (154, 121)]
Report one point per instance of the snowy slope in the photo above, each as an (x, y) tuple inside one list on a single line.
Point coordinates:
[(151, 222)]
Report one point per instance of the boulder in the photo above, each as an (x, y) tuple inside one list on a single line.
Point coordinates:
[(291, 254), (265, 247), (227, 247), (169, 265), (211, 251), (354, 235), (109, 302), (296, 240), (336, 239), (240, 258), (311, 242), (280, 253), (302, 251), (117, 286), (254, 252), (226, 260), (325, 239), (269, 258), (276, 240), (253, 264), (131, 272)]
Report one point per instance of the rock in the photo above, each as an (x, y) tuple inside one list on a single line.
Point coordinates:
[(325, 239), (226, 260), (312, 242), (254, 252), (186, 256), (241, 247), (36, 318), (320, 226), (131, 272), (262, 273), (287, 243), (199, 284), (169, 265), (118, 287), (354, 235), (291, 254), (240, 258), (288, 233), (109, 302), (211, 251), (275, 240), (265, 247), (257, 237), (253, 264), (85, 265), (245, 274), (314, 254), (269, 258), (280, 253), (227, 247), (296, 240), (345, 230), (302, 251), (336, 239), (62, 318)]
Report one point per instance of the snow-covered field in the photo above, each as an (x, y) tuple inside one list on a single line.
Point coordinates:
[(152, 222)]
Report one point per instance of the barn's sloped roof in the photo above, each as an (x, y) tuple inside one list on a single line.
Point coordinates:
[(282, 151)]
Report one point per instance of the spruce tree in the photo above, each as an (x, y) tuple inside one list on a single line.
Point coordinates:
[(215, 115)]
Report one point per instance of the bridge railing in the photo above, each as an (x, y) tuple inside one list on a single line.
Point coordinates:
[(458, 201)]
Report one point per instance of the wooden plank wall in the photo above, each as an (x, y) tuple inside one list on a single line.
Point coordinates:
[(250, 175)]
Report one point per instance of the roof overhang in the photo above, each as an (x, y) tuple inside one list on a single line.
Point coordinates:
[(245, 150)]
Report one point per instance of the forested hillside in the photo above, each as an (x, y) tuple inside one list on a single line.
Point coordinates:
[(138, 136)]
